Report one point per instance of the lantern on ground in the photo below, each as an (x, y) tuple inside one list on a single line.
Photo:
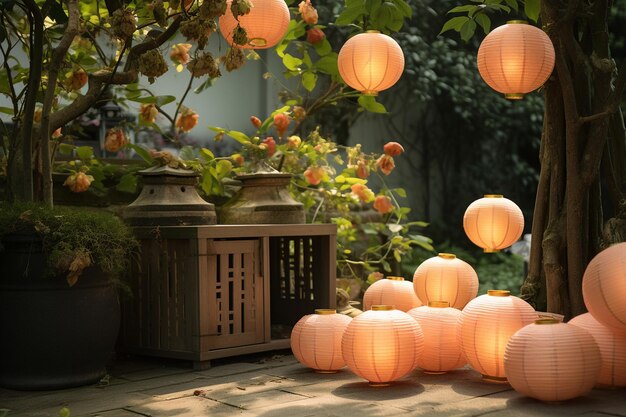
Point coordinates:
[(382, 344), (515, 59), (316, 340), (493, 222), (440, 325), (552, 361), (265, 25), (604, 287), (485, 326), (393, 291), (612, 346), (445, 278), (370, 62)]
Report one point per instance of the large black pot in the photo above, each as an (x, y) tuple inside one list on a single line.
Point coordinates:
[(52, 336)]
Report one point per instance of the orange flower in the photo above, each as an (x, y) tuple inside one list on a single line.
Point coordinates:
[(308, 12), (238, 159), (314, 35), (362, 192), (148, 113), (256, 122), (393, 149), (298, 113), (271, 145), (114, 140), (78, 182), (180, 53), (281, 123), (362, 171), (382, 204), (294, 142), (57, 134), (187, 120), (314, 175), (386, 164), (76, 80)]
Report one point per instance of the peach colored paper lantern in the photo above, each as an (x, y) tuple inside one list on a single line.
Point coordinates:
[(612, 346), (266, 24), (316, 340), (382, 344), (440, 324), (604, 287), (493, 222), (371, 62), (515, 59), (393, 291), (486, 324), (552, 361), (445, 278)]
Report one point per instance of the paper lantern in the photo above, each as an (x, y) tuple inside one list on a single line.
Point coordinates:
[(515, 59), (604, 287), (316, 340), (440, 325), (445, 278), (612, 346), (552, 361), (393, 291), (382, 344), (266, 24), (493, 222), (370, 62), (485, 326)]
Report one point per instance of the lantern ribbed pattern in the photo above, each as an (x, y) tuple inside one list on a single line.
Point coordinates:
[(266, 24), (371, 62), (493, 222), (393, 291), (604, 287), (515, 59), (445, 278), (485, 326), (440, 325), (552, 361), (382, 344), (612, 346), (316, 340)]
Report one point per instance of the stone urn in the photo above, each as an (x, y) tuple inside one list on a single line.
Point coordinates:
[(169, 198)]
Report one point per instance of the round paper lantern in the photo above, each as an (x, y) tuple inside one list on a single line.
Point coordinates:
[(493, 222), (371, 62), (485, 326), (266, 24), (382, 344), (393, 291), (316, 340), (445, 278), (440, 325), (515, 59), (612, 346), (552, 361), (604, 287)]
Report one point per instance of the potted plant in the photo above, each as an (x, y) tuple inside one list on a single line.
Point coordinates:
[(59, 309)]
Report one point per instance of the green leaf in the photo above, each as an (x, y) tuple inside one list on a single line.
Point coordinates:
[(370, 104), (128, 183), (512, 4), (6, 110), (207, 154), (223, 168), (328, 64), (163, 100), (401, 192), (484, 21), (456, 23), (309, 80), (532, 8), (66, 149), (406, 10), (291, 62), (84, 152), (467, 30), (351, 14), (186, 153), (323, 47), (307, 60), (142, 152), (461, 9), (238, 136)]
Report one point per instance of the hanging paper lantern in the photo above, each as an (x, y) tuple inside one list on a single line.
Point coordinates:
[(440, 325), (393, 291), (370, 62), (493, 222), (265, 25), (485, 326), (515, 59), (552, 361), (382, 344), (445, 278), (612, 346), (316, 340), (604, 287)]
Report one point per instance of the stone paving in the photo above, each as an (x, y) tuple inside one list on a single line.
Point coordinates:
[(276, 385)]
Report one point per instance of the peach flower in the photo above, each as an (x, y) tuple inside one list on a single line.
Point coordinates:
[(148, 113), (382, 204), (386, 164), (256, 122), (393, 149), (180, 53), (271, 145), (314, 175), (314, 35), (362, 170), (281, 123), (308, 12), (78, 182), (114, 140), (187, 120), (293, 142), (362, 192), (57, 134), (76, 80)]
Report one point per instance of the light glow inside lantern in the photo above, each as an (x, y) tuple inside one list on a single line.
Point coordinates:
[(393, 291), (265, 25), (493, 222)]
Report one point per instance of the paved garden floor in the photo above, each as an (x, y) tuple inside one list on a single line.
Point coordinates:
[(275, 384)]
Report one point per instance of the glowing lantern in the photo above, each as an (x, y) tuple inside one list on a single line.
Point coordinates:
[(493, 222), (552, 361), (393, 291), (440, 324), (371, 62), (316, 340), (265, 25), (604, 287), (612, 346), (485, 326), (382, 345), (515, 59), (445, 278)]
